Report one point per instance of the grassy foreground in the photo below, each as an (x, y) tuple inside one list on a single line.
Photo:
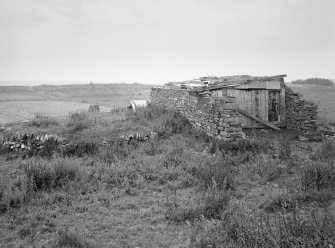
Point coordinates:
[(179, 189)]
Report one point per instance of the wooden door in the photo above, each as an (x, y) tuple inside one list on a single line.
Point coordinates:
[(274, 106)]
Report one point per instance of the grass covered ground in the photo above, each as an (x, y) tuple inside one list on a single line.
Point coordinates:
[(179, 189)]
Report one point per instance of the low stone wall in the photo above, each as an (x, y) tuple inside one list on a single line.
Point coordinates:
[(217, 116), (300, 114)]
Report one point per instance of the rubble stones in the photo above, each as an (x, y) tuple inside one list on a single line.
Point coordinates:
[(141, 137)]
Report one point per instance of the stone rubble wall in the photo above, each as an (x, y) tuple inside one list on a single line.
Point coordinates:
[(300, 114), (217, 116)]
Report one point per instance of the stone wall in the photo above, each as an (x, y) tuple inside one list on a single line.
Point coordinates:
[(300, 114), (217, 116)]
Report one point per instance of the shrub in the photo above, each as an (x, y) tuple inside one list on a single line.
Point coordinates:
[(45, 176), (319, 175), (78, 121), (43, 121)]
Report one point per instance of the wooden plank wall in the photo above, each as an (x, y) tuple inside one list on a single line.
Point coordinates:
[(246, 102)]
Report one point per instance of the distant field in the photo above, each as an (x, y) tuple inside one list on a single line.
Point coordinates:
[(12, 111), (323, 96), (23, 102)]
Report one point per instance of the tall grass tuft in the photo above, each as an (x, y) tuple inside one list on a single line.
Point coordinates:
[(47, 176), (43, 121), (240, 228), (78, 121)]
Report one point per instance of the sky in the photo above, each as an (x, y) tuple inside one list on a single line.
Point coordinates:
[(157, 41)]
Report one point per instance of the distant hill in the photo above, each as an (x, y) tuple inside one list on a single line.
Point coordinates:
[(314, 81), (110, 95)]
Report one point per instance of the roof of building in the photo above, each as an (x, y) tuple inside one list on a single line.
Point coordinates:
[(206, 83)]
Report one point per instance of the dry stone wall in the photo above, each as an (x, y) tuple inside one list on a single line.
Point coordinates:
[(217, 116), (300, 114)]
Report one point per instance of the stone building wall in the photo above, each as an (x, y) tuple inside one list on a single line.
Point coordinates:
[(300, 114), (217, 116)]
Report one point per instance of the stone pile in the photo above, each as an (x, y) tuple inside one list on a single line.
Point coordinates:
[(300, 114), (141, 137), (21, 142), (216, 116)]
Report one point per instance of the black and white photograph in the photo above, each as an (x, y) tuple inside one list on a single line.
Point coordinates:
[(167, 123)]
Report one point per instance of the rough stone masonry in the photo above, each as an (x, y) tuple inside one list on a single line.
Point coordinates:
[(300, 114), (217, 116)]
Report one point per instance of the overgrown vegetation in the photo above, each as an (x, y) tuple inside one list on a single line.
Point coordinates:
[(244, 193), (43, 121), (242, 229), (78, 121)]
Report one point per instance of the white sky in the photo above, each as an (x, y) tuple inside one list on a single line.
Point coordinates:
[(155, 41)]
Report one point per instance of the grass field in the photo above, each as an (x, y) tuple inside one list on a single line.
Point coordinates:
[(179, 189), (23, 102), (12, 111)]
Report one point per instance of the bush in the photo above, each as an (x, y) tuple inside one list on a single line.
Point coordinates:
[(78, 121), (46, 176), (42, 121)]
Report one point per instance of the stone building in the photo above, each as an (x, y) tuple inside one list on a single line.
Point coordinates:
[(223, 106)]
